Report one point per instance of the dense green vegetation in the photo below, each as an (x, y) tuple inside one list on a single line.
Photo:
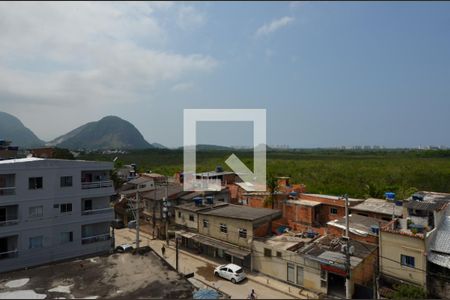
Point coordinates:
[(358, 173)]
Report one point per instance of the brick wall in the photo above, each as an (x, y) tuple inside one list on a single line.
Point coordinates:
[(371, 239), (262, 230)]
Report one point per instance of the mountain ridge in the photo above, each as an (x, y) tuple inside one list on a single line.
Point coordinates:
[(110, 132), (12, 129)]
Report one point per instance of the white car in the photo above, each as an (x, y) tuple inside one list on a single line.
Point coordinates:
[(231, 272)]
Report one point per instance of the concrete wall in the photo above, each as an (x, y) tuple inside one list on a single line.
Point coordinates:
[(277, 267), (53, 222), (392, 246), (233, 226), (183, 219), (369, 238)]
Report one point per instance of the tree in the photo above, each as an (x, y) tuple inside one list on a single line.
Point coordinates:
[(405, 291), (272, 188)]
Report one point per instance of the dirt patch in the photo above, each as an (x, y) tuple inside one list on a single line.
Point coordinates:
[(207, 272)]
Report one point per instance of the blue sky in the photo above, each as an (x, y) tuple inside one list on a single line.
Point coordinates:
[(328, 73)]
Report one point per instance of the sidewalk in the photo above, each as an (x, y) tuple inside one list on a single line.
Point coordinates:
[(203, 268)]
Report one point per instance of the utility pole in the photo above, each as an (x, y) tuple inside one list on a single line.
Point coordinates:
[(137, 219), (167, 211), (176, 251), (347, 251)]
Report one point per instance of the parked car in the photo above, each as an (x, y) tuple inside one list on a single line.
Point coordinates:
[(124, 248), (231, 272)]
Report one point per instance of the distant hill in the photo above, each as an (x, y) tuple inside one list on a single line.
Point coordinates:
[(158, 146), (12, 129), (111, 132)]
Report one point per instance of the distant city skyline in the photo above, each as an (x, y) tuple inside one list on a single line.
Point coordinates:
[(328, 73)]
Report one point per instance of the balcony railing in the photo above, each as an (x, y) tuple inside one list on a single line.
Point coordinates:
[(9, 254), (97, 211), (95, 238), (7, 191), (96, 184), (9, 222)]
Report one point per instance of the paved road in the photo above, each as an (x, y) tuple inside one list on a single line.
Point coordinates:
[(203, 270)]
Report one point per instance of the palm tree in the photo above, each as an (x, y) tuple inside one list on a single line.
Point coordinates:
[(272, 188)]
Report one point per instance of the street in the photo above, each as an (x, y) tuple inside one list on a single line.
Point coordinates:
[(204, 271)]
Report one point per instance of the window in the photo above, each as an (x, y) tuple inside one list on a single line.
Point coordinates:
[(65, 207), (267, 252), (333, 210), (66, 181), (290, 272), (242, 233), (36, 242), (278, 254), (407, 261), (299, 275), (191, 218), (88, 204), (66, 237), (223, 228), (36, 211), (179, 214), (35, 183), (7, 184), (205, 223)]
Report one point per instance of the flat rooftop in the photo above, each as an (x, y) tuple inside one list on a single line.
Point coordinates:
[(304, 202), (359, 225), (379, 206), (328, 249), (331, 197), (242, 212), (196, 208), (285, 241), (427, 201)]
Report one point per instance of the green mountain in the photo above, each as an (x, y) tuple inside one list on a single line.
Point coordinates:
[(158, 146), (111, 132), (12, 129)]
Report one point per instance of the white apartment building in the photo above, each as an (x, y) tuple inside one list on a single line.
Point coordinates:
[(53, 209)]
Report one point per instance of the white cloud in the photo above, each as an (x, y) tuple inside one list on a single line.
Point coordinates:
[(182, 87), (296, 4), (273, 26), (70, 52), (189, 18)]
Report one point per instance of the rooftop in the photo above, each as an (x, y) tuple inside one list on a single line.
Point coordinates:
[(328, 249), (250, 187), (359, 225), (304, 202), (243, 212), (50, 162), (440, 243), (214, 173), (427, 201), (196, 208), (331, 197), (20, 160), (379, 206), (286, 241)]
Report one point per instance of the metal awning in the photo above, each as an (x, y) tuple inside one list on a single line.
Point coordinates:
[(226, 247), (186, 234)]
